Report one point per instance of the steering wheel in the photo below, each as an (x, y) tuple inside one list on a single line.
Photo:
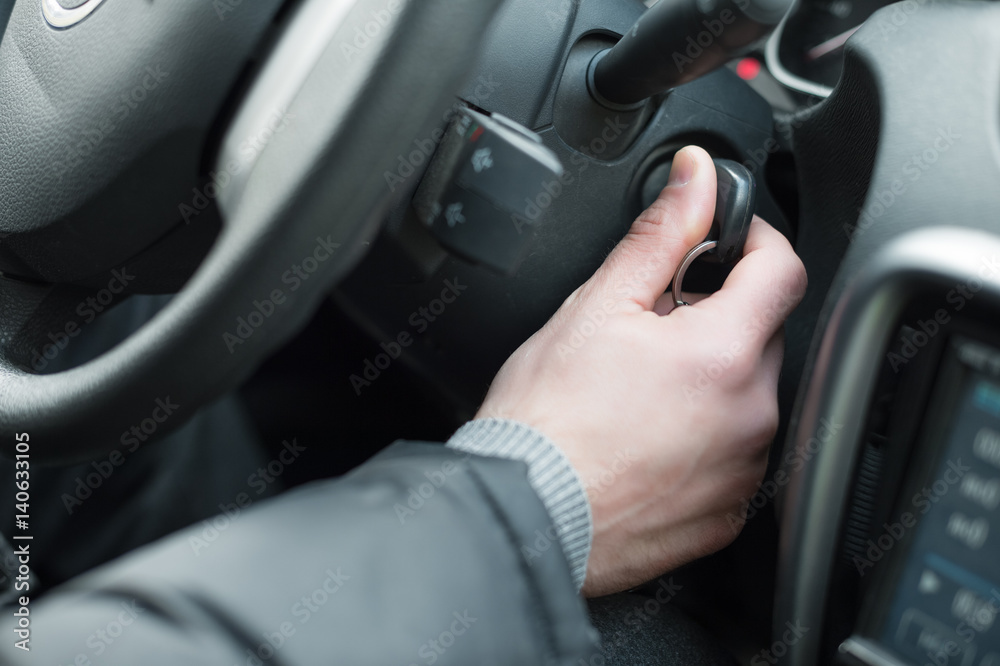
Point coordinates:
[(137, 136)]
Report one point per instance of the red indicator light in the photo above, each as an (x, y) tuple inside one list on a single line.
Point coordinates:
[(748, 68)]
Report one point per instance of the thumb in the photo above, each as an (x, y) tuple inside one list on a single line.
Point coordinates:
[(641, 267)]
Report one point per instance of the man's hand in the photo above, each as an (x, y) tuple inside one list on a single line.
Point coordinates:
[(667, 419)]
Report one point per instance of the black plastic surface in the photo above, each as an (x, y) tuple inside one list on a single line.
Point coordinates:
[(735, 205), (588, 126), (678, 41), (478, 196)]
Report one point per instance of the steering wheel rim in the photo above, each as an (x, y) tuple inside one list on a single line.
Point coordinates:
[(309, 193)]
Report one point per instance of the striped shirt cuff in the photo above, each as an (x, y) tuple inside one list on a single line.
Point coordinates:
[(549, 473)]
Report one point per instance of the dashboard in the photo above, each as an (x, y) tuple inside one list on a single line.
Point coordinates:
[(891, 531), (937, 598), (888, 545)]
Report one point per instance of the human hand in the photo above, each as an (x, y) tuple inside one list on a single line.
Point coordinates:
[(667, 419)]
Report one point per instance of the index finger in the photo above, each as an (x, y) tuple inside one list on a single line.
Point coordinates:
[(764, 287)]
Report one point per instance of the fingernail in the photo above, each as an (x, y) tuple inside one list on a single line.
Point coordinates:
[(682, 169)]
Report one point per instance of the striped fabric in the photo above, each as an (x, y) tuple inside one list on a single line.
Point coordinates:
[(549, 473)]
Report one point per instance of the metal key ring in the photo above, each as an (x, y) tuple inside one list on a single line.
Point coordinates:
[(689, 258)]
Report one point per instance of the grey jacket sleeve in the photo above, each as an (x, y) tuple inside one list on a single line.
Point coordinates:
[(550, 474), (416, 557)]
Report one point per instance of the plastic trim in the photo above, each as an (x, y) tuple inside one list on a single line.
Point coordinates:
[(782, 75), (59, 17)]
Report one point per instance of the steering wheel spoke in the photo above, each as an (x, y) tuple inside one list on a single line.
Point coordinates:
[(298, 211)]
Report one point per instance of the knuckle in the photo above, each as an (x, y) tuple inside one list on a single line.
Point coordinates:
[(722, 533), (788, 273), (745, 367), (721, 355), (796, 277), (577, 295), (624, 332), (764, 424), (659, 222), (658, 214)]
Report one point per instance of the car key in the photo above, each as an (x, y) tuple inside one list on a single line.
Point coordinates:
[(735, 204)]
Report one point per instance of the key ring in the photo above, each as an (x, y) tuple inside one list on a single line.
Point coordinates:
[(689, 258)]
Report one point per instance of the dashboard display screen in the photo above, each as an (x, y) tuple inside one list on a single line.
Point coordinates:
[(944, 604)]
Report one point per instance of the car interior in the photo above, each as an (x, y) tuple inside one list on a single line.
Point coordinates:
[(342, 216)]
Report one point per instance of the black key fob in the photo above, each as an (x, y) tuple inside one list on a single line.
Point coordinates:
[(735, 204)]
